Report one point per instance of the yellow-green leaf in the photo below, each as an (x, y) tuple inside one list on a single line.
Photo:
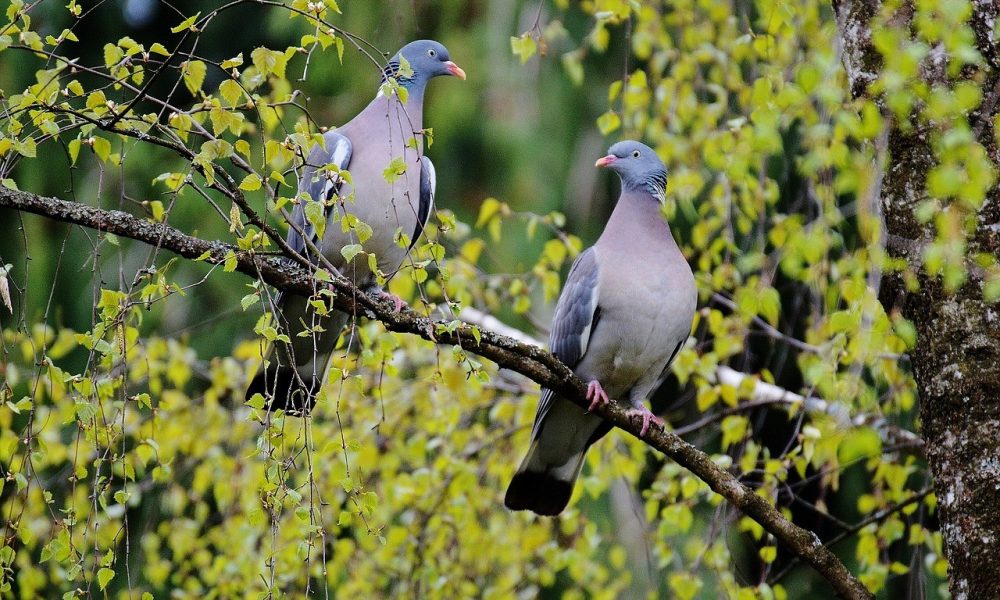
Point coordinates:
[(608, 122), (524, 46), (194, 75), (350, 251), (250, 183), (102, 148), (104, 576), (187, 23), (233, 62), (231, 91)]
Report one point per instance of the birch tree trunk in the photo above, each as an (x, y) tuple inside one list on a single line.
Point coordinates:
[(957, 355)]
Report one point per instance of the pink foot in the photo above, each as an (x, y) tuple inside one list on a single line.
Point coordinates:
[(647, 417), (596, 395), (396, 300)]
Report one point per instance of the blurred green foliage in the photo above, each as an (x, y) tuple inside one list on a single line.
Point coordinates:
[(130, 464)]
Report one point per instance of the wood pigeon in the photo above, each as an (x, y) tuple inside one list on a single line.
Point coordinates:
[(623, 315), (390, 189)]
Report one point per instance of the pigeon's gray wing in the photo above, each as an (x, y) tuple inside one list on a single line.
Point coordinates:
[(428, 187), (576, 316), (320, 184)]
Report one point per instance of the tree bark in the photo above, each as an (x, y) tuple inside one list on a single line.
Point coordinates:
[(527, 359), (957, 356)]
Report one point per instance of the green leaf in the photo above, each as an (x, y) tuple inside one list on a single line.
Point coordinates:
[(256, 401), (395, 170), (316, 215), (859, 443), (269, 61), (233, 62), (487, 210), (243, 147), (27, 147), (231, 91), (187, 23), (104, 576), (523, 46), (251, 183), (608, 122), (249, 300), (230, 262), (684, 586), (112, 55), (194, 75), (156, 207), (101, 147), (769, 305), (350, 251), (216, 149)]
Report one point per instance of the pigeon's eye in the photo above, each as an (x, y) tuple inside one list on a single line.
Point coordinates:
[(635, 154), (432, 53)]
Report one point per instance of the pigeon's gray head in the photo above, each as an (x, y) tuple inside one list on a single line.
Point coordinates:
[(427, 59), (638, 166)]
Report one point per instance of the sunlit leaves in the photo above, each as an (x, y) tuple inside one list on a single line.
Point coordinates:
[(316, 215), (231, 91), (395, 169), (523, 46), (491, 213), (193, 72), (269, 62), (251, 183), (609, 122), (350, 251), (186, 24), (104, 577)]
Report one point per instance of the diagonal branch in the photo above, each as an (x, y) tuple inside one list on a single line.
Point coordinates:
[(527, 359)]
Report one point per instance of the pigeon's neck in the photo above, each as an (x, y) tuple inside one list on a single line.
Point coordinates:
[(415, 86), (654, 184), (637, 218)]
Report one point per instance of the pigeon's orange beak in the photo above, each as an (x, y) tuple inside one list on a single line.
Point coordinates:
[(455, 70), (605, 160)]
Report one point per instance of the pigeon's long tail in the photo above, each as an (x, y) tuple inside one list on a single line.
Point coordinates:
[(295, 370), (540, 488), (285, 388), (563, 432)]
